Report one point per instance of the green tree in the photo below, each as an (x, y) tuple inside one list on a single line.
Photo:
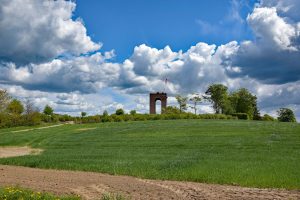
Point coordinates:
[(217, 95), (182, 101), (4, 100), (228, 106), (48, 110), (105, 113), (133, 112), (15, 107), (120, 111), (243, 101), (286, 115), (83, 114), (195, 100)]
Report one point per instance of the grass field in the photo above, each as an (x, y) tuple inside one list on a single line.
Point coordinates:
[(246, 153)]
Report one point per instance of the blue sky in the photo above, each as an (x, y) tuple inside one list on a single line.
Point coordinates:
[(122, 25), (50, 51)]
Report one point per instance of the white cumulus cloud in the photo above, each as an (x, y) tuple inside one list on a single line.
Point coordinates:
[(33, 31)]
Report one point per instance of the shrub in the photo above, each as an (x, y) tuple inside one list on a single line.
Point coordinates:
[(106, 118), (156, 117), (171, 116), (32, 119), (140, 117), (243, 116), (4, 120), (126, 117), (55, 118), (216, 116), (117, 118), (14, 120), (65, 118), (90, 119), (267, 117), (46, 118), (232, 117), (171, 110)]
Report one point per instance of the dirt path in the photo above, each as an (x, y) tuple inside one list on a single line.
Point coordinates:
[(43, 127), (92, 185), (6, 152)]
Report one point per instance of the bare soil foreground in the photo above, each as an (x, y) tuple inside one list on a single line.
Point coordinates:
[(91, 185)]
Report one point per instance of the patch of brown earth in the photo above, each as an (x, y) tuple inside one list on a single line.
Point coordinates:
[(31, 129), (6, 152), (91, 185)]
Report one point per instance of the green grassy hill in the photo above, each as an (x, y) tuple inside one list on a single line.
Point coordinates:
[(246, 153)]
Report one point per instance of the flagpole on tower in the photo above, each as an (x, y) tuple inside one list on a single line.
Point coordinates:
[(165, 86)]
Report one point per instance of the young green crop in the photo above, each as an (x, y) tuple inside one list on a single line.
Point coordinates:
[(246, 153)]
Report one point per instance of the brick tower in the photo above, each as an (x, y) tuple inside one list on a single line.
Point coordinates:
[(158, 96)]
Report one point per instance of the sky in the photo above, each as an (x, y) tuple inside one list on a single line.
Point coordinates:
[(177, 23), (96, 55)]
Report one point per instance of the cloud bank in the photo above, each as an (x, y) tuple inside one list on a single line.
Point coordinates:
[(273, 57)]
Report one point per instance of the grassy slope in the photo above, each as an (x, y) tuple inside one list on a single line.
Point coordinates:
[(258, 154)]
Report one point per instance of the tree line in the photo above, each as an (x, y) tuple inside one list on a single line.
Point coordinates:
[(240, 104)]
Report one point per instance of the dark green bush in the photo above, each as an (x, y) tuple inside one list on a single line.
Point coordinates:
[(46, 118), (117, 118), (267, 117), (216, 116), (140, 117), (65, 118), (32, 119), (174, 116), (4, 120), (243, 116), (106, 118), (91, 119)]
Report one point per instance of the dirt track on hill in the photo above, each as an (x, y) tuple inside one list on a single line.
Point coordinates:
[(6, 152), (43, 127), (91, 185)]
